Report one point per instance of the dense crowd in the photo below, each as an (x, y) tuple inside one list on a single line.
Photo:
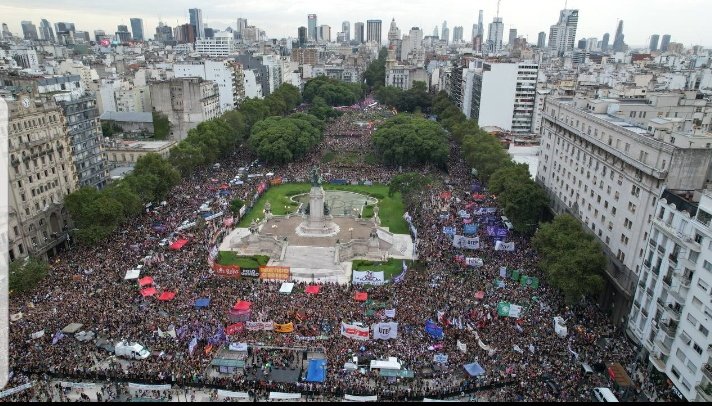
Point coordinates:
[(86, 285)]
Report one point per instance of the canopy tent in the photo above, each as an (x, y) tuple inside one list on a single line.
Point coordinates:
[(312, 289), (480, 295), (286, 287), (145, 281), (166, 296), (316, 371), (148, 292), (72, 328), (242, 305), (178, 244), (474, 369), (231, 394), (132, 274), (84, 336), (202, 302), (284, 395), (360, 296), (390, 363)]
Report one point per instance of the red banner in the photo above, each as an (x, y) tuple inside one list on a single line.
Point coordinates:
[(229, 271), (235, 328), (276, 181), (261, 187)]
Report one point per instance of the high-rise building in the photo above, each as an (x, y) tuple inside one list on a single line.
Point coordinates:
[(137, 29), (562, 35), (541, 40), (665, 43), (495, 35), (436, 32), (221, 44), (164, 34), (359, 33), (186, 101), (184, 34), (394, 33), (324, 33), (373, 31), (457, 33), (654, 39), (445, 32), (475, 30), (240, 27), (46, 32), (512, 36), (618, 41), (302, 35), (122, 34), (64, 29), (346, 29), (6, 34), (500, 94), (29, 30), (481, 24), (196, 20), (604, 42), (311, 25)]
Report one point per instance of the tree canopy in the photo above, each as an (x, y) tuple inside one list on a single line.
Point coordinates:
[(407, 139), (484, 152), (26, 273), (333, 92), (375, 74), (282, 139), (570, 257), (412, 100)]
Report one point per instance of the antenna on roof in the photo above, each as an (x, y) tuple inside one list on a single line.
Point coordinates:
[(498, 1)]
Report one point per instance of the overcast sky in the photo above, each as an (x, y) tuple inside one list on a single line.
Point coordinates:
[(686, 20)]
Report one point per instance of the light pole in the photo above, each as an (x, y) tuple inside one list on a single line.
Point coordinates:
[(351, 230)]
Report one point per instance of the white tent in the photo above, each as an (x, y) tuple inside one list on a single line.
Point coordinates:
[(286, 287), (391, 363), (284, 395), (132, 274)]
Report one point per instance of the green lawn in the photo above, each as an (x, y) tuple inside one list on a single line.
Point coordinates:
[(390, 269), (391, 208), (230, 258)]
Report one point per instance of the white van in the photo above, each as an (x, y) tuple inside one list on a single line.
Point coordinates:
[(604, 395), (131, 350)]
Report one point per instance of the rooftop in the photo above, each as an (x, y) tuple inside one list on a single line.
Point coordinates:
[(127, 117)]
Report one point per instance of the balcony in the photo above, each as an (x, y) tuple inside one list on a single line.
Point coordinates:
[(656, 270), (652, 243), (705, 391), (663, 346), (673, 258), (658, 361), (667, 280), (646, 263), (707, 371), (674, 311), (661, 249), (669, 329), (661, 302), (641, 283)]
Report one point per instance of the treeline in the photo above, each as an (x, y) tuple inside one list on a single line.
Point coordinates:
[(333, 92), (97, 213), (409, 139), (417, 99)]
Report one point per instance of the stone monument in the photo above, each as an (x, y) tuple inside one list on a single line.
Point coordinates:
[(317, 223)]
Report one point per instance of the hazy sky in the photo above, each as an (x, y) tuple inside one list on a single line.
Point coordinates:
[(685, 20)]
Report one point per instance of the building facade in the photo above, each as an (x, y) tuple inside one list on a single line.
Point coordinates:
[(671, 310), (186, 102), (137, 29), (609, 173), (373, 31), (41, 174), (221, 45), (562, 35)]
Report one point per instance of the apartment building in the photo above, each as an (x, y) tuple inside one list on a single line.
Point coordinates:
[(672, 308), (41, 174), (609, 173), (226, 74), (221, 45)]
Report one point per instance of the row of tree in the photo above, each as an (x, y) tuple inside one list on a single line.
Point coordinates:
[(570, 257), (283, 139), (414, 100), (97, 213), (375, 74), (409, 139), (333, 92)]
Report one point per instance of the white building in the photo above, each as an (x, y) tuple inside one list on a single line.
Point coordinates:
[(223, 73), (609, 173), (562, 35), (672, 311), (500, 94), (221, 45)]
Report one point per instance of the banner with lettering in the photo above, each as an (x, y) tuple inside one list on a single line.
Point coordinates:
[(433, 329), (449, 231), (368, 278), (504, 246), (472, 243), (385, 331), (228, 271), (259, 325), (355, 332), (274, 272), (470, 229), (506, 309), (474, 262)]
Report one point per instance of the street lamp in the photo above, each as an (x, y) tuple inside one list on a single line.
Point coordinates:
[(351, 230)]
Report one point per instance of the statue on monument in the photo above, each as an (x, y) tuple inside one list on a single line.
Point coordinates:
[(316, 178)]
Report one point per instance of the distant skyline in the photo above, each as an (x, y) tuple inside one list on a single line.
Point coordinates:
[(684, 20)]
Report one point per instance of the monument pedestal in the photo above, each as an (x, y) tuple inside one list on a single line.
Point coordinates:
[(317, 224)]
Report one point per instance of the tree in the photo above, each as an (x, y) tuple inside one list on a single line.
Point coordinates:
[(154, 164), (571, 258), (408, 182), (483, 152), (26, 273), (334, 92), (282, 139), (321, 110), (375, 74), (236, 121), (253, 110), (186, 157), (161, 126), (410, 140)]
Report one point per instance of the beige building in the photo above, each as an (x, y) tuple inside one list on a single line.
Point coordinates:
[(186, 102), (41, 174), (126, 153), (609, 173)]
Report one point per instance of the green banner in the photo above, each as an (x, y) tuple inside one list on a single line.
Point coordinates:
[(515, 274), (503, 309)]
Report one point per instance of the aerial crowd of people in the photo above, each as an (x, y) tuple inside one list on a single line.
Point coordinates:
[(523, 358)]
